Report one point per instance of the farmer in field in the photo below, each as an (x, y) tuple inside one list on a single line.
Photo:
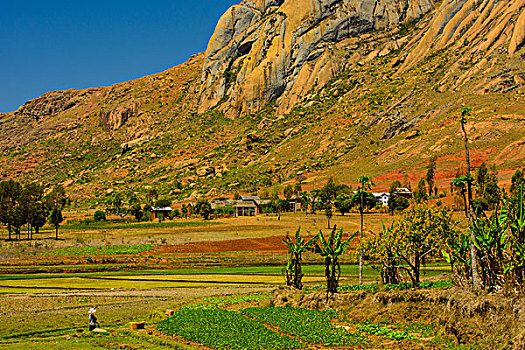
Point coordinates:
[(93, 319)]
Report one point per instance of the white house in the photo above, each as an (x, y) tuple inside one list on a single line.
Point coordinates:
[(382, 198)]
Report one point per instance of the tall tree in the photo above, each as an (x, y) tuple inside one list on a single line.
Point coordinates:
[(475, 273), (329, 191), (365, 183), (305, 200), (55, 219), (393, 195), (288, 192), (482, 177), (328, 212), (517, 179), (10, 192), (431, 169), (420, 194), (57, 199), (34, 207)]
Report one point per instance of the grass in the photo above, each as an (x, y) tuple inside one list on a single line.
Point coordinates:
[(137, 225), (102, 250)]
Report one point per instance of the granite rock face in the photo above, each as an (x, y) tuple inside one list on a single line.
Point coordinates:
[(278, 50)]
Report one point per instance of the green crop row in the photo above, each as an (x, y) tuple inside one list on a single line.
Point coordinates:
[(398, 286), (223, 329), (385, 332), (102, 250), (309, 325)]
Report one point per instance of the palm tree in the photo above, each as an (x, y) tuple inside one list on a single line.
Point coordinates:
[(475, 274), (365, 183), (296, 248)]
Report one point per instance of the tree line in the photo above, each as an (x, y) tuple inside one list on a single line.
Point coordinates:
[(22, 205)]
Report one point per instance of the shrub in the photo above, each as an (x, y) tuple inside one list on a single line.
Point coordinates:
[(99, 216)]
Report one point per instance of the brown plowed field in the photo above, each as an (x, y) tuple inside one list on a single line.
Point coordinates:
[(266, 244)]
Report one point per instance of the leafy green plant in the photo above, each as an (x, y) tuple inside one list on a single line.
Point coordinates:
[(384, 331), (296, 248), (223, 329), (513, 215), (310, 325), (330, 249)]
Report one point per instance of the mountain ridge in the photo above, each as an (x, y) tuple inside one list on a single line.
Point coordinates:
[(390, 107)]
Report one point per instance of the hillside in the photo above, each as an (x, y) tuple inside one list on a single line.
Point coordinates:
[(287, 88)]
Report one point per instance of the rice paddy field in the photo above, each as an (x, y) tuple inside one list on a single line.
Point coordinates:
[(225, 271)]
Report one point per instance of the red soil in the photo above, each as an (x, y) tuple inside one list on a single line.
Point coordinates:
[(267, 244)]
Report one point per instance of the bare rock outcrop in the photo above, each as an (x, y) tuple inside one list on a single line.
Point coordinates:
[(479, 26), (49, 104), (266, 50), (115, 118)]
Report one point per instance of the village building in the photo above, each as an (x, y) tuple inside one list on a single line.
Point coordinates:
[(404, 192), (221, 203), (295, 203), (160, 212), (382, 198), (247, 206)]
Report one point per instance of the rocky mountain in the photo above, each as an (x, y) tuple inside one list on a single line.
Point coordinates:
[(314, 88)]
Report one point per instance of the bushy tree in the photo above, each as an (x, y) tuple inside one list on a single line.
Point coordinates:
[(343, 203), (203, 207), (329, 191), (99, 215), (136, 211), (381, 251), (517, 179), (419, 234), (513, 218)]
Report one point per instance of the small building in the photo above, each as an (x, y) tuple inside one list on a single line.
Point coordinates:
[(295, 203), (382, 198), (404, 192), (245, 208), (160, 212), (220, 203)]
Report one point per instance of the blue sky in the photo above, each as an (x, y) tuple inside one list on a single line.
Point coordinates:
[(57, 45)]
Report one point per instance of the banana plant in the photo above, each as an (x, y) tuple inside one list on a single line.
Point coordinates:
[(331, 249), (296, 247), (490, 241), (513, 215), (457, 254)]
